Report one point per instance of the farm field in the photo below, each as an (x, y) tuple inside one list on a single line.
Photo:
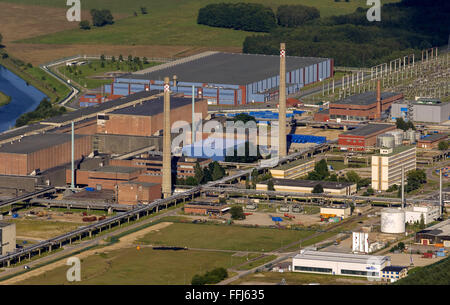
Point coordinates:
[(149, 267), (223, 237), (170, 22)]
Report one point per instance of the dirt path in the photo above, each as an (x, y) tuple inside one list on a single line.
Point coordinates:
[(124, 242)]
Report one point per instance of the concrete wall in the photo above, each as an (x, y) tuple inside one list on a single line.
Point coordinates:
[(7, 238), (121, 144)]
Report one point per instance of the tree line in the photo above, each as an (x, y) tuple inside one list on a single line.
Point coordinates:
[(212, 172), (43, 111), (99, 18), (354, 41)]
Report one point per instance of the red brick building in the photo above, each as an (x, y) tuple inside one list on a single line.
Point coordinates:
[(105, 177), (135, 192), (432, 141), (41, 152), (363, 137)]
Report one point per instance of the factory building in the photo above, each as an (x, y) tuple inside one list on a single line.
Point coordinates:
[(342, 211), (363, 137), (415, 213), (307, 186), (38, 153), (431, 141), (332, 263), (387, 166), (206, 208), (106, 177), (227, 78), (437, 234), (393, 273), (7, 238), (294, 169), (371, 105), (134, 192), (422, 110), (146, 118)]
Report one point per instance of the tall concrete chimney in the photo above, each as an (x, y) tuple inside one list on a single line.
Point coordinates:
[(282, 149), (441, 202), (403, 187), (167, 159), (175, 82), (378, 115)]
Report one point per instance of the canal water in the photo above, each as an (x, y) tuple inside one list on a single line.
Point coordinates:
[(24, 98)]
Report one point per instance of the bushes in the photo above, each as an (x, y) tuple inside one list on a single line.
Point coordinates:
[(101, 17), (239, 16), (435, 274), (43, 111), (210, 277), (296, 15), (237, 213), (85, 25)]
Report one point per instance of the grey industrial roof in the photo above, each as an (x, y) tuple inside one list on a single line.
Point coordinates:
[(367, 129), (393, 268), (20, 131), (141, 183), (154, 106), (35, 143), (229, 68), (435, 137), (69, 116), (309, 183), (365, 98), (439, 229), (116, 169), (340, 257)]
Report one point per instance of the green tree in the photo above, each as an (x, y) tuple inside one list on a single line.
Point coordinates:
[(198, 172), (144, 10), (120, 57), (296, 15), (401, 124), (217, 171), (237, 213), (401, 246), (443, 145), (191, 181), (422, 222), (318, 189), (369, 192), (320, 171), (244, 118), (85, 25), (101, 17), (270, 186)]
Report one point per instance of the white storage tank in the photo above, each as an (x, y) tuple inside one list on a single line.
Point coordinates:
[(392, 221), (386, 140), (411, 136), (398, 136)]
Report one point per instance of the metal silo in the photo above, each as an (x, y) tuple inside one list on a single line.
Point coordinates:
[(398, 136), (386, 140)]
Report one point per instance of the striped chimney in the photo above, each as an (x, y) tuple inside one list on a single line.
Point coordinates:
[(282, 149), (167, 170)]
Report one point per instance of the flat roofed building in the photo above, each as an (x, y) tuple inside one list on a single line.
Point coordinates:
[(205, 208), (227, 78), (393, 273), (422, 110), (7, 237), (340, 263), (362, 107), (387, 166), (107, 177), (294, 169), (134, 192), (41, 152), (437, 234), (432, 141), (363, 137), (307, 186), (343, 211), (414, 214)]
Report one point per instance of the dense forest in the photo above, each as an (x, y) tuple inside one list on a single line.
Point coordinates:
[(434, 274), (405, 27)]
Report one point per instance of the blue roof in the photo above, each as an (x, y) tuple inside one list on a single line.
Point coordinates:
[(277, 219)]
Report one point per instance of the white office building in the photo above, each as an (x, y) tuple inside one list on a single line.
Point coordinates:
[(311, 261), (413, 214)]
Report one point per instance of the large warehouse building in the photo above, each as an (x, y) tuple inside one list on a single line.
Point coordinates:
[(340, 263), (363, 137), (422, 110), (227, 78)]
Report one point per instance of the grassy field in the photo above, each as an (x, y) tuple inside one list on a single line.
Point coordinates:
[(223, 237), (258, 262), (42, 229), (148, 267), (85, 75), (4, 99), (169, 22)]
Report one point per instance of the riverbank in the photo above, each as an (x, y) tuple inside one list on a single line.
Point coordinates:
[(4, 99), (36, 77)]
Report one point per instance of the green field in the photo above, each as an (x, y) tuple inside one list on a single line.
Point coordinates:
[(4, 99), (42, 229), (84, 75), (223, 237), (169, 22), (141, 267)]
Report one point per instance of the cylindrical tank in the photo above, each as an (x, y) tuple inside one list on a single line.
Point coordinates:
[(386, 140), (398, 136), (392, 221), (411, 136)]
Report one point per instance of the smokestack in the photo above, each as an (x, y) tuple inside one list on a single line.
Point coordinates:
[(441, 203), (378, 99), (167, 170), (282, 149), (72, 184), (403, 187)]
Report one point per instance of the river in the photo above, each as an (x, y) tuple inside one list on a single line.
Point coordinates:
[(24, 98)]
